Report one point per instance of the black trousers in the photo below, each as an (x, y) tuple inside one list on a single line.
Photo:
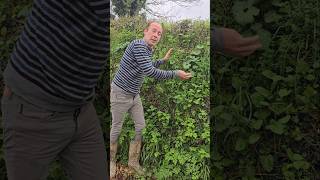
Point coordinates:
[(34, 137)]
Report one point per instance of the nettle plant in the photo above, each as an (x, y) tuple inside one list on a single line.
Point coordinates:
[(266, 107)]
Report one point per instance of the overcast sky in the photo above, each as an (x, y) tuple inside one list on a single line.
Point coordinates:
[(198, 10)]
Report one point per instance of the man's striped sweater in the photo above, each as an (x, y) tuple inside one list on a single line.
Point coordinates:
[(135, 64), (61, 52)]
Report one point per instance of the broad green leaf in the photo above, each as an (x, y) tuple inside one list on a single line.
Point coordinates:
[(309, 92), (279, 108), (301, 165), (294, 156), (276, 127), (200, 46), (257, 98), (254, 138), (284, 92), (196, 52), (284, 120)]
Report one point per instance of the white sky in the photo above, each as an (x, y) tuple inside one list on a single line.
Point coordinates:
[(197, 10), (174, 12)]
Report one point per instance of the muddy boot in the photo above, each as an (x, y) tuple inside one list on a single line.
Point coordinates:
[(113, 165), (134, 155)]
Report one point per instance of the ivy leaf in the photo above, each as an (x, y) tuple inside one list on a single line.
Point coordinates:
[(244, 11)]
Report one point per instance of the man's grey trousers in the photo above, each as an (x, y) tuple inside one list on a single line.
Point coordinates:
[(121, 103)]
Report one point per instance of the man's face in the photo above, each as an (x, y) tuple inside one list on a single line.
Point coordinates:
[(152, 34)]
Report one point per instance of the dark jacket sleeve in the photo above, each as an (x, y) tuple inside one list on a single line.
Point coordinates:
[(217, 39)]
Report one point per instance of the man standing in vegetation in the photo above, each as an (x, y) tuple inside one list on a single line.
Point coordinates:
[(125, 88), (50, 84)]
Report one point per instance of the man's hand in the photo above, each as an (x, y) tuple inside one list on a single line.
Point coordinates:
[(236, 45), (183, 75), (168, 55)]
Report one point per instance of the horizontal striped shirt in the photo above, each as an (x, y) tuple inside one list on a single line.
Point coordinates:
[(136, 63), (61, 52)]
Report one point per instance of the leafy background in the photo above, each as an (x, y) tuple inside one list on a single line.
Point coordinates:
[(266, 106), (176, 138)]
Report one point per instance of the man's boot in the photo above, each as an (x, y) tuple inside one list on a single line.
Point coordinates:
[(134, 156), (113, 165)]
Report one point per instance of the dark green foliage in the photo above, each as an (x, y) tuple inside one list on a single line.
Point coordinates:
[(176, 139), (266, 106), (128, 7)]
